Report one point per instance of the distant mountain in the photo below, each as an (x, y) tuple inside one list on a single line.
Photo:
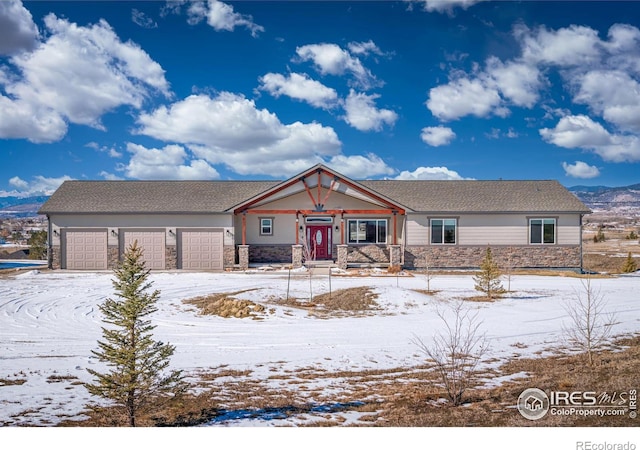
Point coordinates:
[(15, 207), (620, 199)]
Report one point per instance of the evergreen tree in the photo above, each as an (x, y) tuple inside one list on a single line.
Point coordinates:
[(137, 362), (488, 280), (38, 245), (629, 265)]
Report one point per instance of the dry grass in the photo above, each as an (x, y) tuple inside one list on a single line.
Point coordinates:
[(400, 397), (609, 256), (8, 382), (225, 305), (350, 301)]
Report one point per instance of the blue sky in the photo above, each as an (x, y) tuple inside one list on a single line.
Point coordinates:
[(259, 90)]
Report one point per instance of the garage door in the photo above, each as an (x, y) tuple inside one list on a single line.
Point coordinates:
[(152, 244), (201, 250), (86, 250)]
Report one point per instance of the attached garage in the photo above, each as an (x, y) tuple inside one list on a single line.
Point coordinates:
[(201, 249), (152, 243), (85, 249)]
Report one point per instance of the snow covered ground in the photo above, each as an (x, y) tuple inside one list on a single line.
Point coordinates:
[(50, 322)]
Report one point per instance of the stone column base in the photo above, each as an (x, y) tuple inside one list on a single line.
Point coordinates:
[(395, 255), (343, 251), (243, 256), (296, 256)]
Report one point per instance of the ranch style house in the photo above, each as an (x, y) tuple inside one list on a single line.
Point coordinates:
[(318, 214)]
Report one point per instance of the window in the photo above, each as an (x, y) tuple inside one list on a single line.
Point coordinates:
[(369, 231), (266, 226), (542, 231), (443, 231)]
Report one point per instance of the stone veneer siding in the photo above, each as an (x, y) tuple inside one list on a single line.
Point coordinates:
[(456, 256), (270, 253), (228, 256), (54, 257), (170, 257), (113, 256)]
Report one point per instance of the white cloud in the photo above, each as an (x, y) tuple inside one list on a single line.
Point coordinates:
[(38, 185), (447, 6), (362, 113), (18, 32), (142, 20), (518, 82), (364, 48), (332, 60), (437, 136), (230, 130), (430, 173), (462, 97), (167, 163), (58, 81), (613, 94), (565, 47), (580, 169), (300, 87), (360, 167), (582, 132), (18, 183), (221, 17), (110, 176), (111, 151), (576, 131)]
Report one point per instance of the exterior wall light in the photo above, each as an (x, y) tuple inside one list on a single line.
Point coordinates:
[(114, 233)]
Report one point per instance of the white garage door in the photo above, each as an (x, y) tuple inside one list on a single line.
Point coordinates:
[(152, 244), (201, 250), (86, 250)]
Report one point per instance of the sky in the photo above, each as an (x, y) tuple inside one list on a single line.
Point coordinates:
[(211, 90)]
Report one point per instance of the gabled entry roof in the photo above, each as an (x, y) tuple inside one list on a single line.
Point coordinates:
[(319, 182)]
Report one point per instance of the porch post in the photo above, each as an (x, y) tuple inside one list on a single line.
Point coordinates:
[(395, 228), (244, 228)]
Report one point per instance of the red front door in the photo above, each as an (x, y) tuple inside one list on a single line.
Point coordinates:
[(319, 240)]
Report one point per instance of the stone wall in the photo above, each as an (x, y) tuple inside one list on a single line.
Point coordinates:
[(456, 256), (270, 253), (367, 254)]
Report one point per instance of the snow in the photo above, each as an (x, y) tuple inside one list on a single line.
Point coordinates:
[(50, 322)]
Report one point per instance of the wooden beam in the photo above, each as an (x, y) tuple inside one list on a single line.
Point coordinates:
[(326, 197), (318, 204), (244, 229), (395, 229), (263, 196), (306, 188)]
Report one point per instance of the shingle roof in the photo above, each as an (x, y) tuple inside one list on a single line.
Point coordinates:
[(219, 196), (479, 196), (151, 196)]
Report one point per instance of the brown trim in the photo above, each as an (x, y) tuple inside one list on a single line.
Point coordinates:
[(326, 197), (311, 212)]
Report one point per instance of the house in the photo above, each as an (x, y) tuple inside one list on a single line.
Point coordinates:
[(318, 214)]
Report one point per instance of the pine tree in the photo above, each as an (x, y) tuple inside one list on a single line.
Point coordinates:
[(137, 362), (488, 280), (629, 265)]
